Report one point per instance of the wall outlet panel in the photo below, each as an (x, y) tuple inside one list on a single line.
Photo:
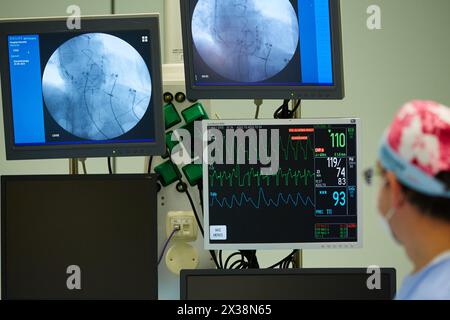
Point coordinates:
[(169, 199)]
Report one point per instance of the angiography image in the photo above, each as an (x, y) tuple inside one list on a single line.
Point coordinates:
[(245, 40), (97, 86)]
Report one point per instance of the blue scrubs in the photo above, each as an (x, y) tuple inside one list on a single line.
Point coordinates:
[(432, 283)]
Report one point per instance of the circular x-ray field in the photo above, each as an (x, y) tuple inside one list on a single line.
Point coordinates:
[(97, 86), (245, 40)]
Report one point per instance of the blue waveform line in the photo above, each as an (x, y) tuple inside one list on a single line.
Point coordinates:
[(295, 199)]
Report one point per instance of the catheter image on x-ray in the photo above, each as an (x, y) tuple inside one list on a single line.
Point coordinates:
[(245, 40), (97, 86)]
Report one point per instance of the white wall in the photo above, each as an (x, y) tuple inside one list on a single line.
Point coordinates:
[(407, 59)]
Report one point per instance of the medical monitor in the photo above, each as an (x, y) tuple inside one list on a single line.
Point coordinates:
[(79, 237), (92, 90), (282, 184), (301, 284), (262, 49)]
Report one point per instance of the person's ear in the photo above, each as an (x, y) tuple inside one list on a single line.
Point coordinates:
[(397, 194)]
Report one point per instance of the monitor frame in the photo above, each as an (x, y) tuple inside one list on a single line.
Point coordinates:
[(278, 246), (335, 92), (185, 274), (105, 23), (12, 178)]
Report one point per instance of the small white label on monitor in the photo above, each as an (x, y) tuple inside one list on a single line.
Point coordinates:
[(218, 233)]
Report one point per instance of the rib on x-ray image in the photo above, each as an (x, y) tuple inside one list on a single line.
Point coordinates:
[(97, 86), (245, 40)]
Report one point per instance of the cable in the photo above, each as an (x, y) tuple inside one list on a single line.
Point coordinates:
[(200, 192), (113, 6), (239, 264), (252, 259), (283, 112), (150, 163), (258, 103), (297, 105), (289, 257), (83, 163), (221, 259), (110, 170), (175, 230), (232, 256), (195, 212)]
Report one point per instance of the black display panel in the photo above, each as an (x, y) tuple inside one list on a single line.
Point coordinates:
[(286, 49), (90, 92), (304, 284), (311, 201), (79, 237)]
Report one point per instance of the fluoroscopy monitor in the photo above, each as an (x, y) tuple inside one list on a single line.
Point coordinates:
[(76, 93), (79, 237), (282, 184), (262, 49), (302, 284)]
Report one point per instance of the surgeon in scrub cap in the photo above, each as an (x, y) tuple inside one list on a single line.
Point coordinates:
[(414, 195)]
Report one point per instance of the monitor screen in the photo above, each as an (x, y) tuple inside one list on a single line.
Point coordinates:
[(285, 49), (82, 93), (282, 184), (302, 284), (79, 237)]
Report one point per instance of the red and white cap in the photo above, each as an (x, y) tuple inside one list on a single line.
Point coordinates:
[(417, 146)]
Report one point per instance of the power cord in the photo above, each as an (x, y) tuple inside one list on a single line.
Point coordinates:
[(110, 169), (83, 163), (150, 164), (289, 259), (283, 112), (258, 104), (175, 230)]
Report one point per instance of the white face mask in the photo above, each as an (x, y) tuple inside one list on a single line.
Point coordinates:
[(384, 221)]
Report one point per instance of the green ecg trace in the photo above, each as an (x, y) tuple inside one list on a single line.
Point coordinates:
[(247, 179), (296, 149), (292, 150)]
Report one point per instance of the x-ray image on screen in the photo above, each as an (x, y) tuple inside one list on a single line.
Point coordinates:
[(242, 40), (97, 86)]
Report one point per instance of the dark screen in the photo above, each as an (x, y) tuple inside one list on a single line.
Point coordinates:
[(326, 285), (104, 225), (312, 198)]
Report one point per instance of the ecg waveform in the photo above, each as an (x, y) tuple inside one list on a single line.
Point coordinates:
[(296, 150), (237, 178), (289, 149), (295, 199)]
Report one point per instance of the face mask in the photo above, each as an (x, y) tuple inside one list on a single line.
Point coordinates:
[(384, 221)]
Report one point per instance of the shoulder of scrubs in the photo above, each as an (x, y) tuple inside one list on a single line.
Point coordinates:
[(432, 283)]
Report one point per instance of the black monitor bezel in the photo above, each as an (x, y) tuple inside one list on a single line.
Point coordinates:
[(185, 274), (103, 177), (88, 24), (336, 92)]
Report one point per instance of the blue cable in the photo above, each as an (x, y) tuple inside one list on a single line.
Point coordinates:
[(167, 243)]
